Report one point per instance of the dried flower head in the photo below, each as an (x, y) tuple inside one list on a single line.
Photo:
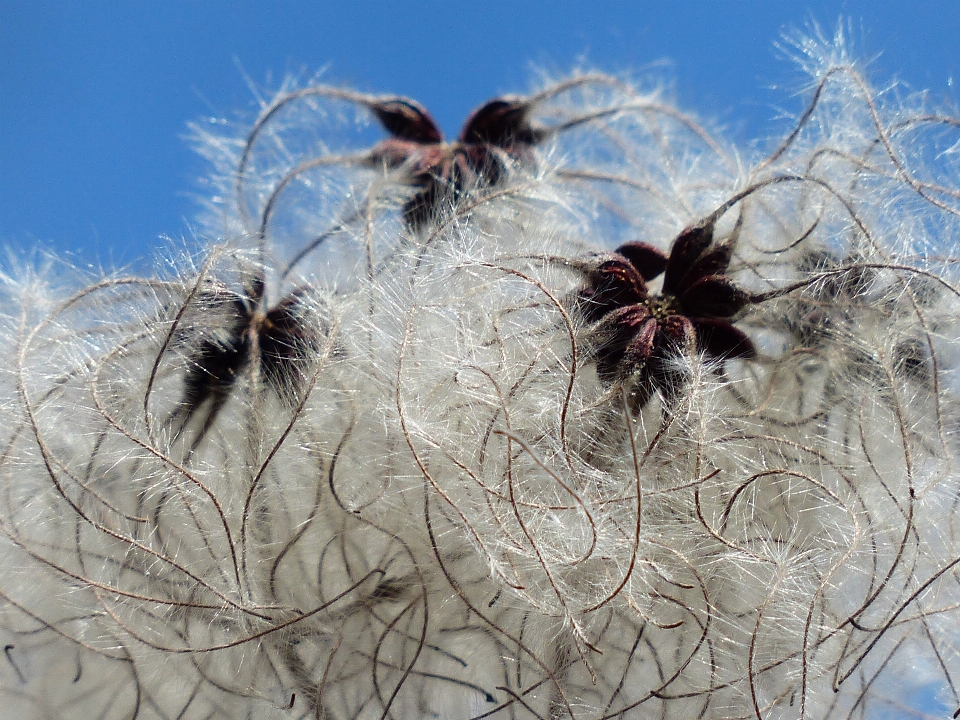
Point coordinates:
[(641, 333), (497, 132), (237, 335)]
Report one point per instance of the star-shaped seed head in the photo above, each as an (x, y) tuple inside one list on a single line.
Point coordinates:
[(496, 132), (281, 342), (639, 335)]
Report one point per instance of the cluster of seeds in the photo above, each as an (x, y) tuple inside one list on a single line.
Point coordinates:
[(582, 415)]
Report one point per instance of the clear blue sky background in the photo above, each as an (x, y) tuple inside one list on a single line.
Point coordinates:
[(95, 95)]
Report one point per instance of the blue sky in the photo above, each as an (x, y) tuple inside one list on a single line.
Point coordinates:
[(95, 95)]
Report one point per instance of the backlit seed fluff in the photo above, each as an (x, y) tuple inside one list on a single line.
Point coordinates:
[(587, 414)]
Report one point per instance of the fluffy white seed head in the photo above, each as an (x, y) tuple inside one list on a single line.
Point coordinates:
[(346, 466)]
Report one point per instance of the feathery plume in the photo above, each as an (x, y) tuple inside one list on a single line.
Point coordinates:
[(585, 414)]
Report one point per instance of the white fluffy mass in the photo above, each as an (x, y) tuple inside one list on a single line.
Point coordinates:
[(343, 466)]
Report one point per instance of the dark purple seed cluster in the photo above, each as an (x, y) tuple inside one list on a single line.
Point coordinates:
[(640, 334)]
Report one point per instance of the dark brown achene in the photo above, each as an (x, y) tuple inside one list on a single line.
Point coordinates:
[(280, 340), (640, 335), (496, 132)]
